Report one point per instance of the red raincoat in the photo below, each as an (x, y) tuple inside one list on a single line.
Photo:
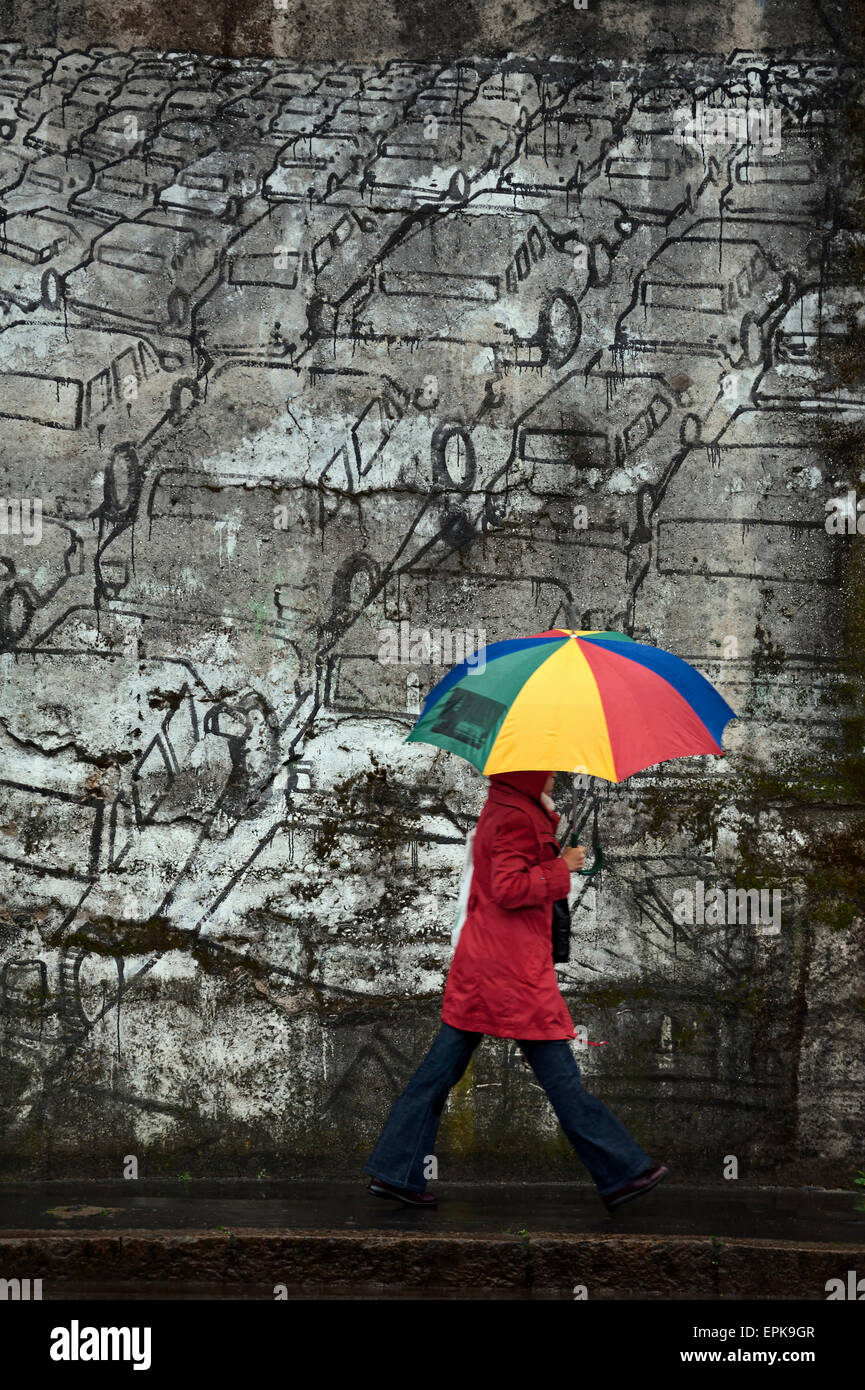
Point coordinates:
[(502, 980)]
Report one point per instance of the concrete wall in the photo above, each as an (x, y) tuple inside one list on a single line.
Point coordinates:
[(455, 346)]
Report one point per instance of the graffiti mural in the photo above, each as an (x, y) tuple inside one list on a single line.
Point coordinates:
[(292, 353)]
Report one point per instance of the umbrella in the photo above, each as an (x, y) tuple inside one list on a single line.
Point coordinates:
[(596, 703)]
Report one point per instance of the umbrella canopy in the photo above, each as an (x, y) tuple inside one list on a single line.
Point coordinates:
[(571, 701)]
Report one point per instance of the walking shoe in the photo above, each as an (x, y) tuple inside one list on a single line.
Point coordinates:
[(402, 1194), (644, 1183)]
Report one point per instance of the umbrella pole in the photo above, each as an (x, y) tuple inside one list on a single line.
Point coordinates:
[(598, 853)]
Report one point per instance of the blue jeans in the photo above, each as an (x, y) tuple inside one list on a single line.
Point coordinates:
[(611, 1154)]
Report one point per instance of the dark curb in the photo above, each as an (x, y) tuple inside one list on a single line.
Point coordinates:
[(607, 1265)]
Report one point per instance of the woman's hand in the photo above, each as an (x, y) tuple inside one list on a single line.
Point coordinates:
[(575, 857)]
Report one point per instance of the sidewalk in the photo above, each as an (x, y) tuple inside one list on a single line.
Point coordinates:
[(241, 1239)]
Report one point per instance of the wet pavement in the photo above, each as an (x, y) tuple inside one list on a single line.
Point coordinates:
[(762, 1213)]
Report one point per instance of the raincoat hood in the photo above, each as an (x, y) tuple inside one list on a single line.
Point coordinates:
[(531, 783)]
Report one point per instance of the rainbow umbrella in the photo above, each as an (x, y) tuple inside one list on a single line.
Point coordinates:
[(590, 702)]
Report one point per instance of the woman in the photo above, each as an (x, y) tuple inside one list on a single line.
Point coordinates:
[(502, 982)]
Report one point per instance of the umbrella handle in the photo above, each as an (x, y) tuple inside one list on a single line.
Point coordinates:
[(599, 858)]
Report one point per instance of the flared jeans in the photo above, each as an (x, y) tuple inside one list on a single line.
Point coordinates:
[(400, 1157)]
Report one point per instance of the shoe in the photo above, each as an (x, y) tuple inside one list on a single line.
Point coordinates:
[(644, 1183), (402, 1194)]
